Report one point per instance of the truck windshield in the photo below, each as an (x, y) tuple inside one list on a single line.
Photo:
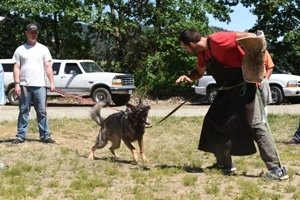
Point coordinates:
[(90, 67)]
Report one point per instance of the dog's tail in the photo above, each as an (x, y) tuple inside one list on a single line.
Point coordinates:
[(95, 113)]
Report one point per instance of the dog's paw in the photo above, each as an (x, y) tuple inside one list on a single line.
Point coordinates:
[(144, 158), (134, 162)]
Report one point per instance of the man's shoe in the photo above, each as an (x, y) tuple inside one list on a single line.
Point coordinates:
[(276, 174), (3, 165), (48, 141), (224, 168), (292, 141), (17, 141)]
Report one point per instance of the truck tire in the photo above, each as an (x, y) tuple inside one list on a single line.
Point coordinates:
[(121, 99), (12, 96), (101, 94), (277, 95)]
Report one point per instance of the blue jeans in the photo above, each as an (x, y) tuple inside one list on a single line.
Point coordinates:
[(36, 95), (2, 90)]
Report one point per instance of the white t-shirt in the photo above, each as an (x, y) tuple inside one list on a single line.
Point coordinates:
[(31, 60)]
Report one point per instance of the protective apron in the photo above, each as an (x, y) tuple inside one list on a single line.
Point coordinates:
[(227, 128)]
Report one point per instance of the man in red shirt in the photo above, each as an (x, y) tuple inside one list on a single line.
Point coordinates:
[(233, 121)]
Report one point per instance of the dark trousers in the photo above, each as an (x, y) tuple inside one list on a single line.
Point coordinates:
[(262, 137)]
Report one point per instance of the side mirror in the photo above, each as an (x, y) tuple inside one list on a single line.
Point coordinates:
[(73, 72)]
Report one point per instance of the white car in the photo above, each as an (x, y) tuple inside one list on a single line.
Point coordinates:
[(284, 86)]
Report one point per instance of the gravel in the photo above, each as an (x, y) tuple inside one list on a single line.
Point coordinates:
[(158, 109)]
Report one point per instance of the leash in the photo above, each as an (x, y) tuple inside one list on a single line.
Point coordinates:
[(174, 110), (243, 90), (169, 114), (78, 97)]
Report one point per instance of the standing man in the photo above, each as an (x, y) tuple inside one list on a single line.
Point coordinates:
[(2, 94), (233, 121), (32, 65)]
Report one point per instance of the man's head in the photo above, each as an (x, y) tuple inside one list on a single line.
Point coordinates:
[(31, 27), (31, 31), (2, 20), (189, 39), (190, 35)]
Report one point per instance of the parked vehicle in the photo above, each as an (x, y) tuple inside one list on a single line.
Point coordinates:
[(79, 77), (283, 86)]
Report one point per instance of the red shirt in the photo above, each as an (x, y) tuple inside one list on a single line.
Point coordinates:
[(224, 48)]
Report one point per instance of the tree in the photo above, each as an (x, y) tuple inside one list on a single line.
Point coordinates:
[(280, 21), (134, 36), (58, 23)]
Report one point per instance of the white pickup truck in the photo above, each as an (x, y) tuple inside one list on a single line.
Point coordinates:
[(283, 86), (81, 78)]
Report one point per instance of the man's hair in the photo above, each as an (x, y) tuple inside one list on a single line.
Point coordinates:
[(189, 35)]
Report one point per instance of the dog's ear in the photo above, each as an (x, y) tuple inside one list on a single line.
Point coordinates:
[(140, 101), (130, 108), (147, 108)]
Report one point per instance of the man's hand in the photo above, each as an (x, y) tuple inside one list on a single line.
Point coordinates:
[(258, 84), (18, 89), (52, 87), (183, 78)]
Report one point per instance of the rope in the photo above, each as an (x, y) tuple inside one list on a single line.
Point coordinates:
[(78, 97), (169, 114)]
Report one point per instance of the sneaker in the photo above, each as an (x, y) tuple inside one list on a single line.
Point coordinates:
[(224, 168), (276, 174), (48, 141), (17, 141), (3, 166), (292, 141)]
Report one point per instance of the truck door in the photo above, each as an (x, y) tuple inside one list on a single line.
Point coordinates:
[(72, 80), (56, 67)]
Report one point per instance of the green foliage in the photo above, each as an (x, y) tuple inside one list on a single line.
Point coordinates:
[(189, 180), (279, 19), (141, 37), (289, 52)]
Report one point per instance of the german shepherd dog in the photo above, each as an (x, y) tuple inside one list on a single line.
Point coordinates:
[(128, 125)]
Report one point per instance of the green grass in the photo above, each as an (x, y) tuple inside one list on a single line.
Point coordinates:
[(176, 169)]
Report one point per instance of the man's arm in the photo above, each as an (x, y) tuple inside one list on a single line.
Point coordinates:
[(16, 75), (269, 64), (269, 72), (49, 72), (194, 75)]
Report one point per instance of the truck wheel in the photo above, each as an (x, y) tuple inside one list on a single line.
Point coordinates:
[(277, 96), (101, 94), (12, 96), (211, 94), (120, 99)]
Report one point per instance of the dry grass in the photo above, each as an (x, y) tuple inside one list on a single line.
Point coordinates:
[(175, 170)]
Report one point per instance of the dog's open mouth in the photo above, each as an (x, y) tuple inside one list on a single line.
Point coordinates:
[(147, 121)]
